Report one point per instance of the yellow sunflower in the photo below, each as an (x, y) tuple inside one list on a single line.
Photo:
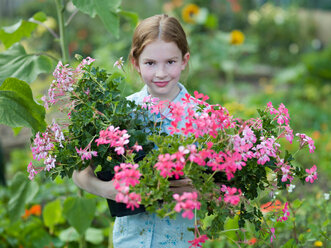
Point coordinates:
[(237, 37), (318, 243), (189, 12)]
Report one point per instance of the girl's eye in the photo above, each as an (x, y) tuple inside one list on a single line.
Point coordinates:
[(171, 62), (149, 63)]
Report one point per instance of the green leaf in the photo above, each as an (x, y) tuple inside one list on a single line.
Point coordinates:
[(94, 236), (52, 214), (16, 130), (79, 212), (106, 10), (86, 6), (69, 235), (12, 34), (18, 108), (289, 244), (231, 224), (207, 221), (15, 62), (297, 203), (40, 16), (109, 17), (22, 191), (131, 16)]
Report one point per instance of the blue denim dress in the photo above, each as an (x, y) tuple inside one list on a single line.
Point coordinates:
[(146, 230)]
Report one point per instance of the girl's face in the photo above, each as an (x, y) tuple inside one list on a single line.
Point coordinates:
[(160, 65)]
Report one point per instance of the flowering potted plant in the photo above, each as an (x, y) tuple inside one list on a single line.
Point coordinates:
[(229, 160)]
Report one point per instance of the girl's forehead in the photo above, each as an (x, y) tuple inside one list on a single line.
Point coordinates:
[(161, 48)]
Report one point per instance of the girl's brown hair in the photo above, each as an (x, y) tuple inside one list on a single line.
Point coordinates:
[(157, 27)]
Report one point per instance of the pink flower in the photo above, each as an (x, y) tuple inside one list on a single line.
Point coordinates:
[(115, 137), (85, 154), (49, 162), (304, 140), (285, 215), (312, 174), (266, 149), (127, 175), (286, 170), (230, 195), (32, 170), (198, 95), (273, 236), (187, 202), (119, 63), (137, 147), (288, 133), (196, 242), (282, 115)]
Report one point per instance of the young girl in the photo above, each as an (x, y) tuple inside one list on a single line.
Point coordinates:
[(159, 53)]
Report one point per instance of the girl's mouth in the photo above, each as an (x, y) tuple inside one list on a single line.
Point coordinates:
[(161, 83)]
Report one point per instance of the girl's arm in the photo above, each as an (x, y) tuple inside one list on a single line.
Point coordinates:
[(87, 180)]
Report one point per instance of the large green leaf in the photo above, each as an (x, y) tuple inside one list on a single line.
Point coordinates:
[(52, 214), (109, 17), (105, 9), (79, 212), (18, 108), (15, 62), (12, 34), (22, 191)]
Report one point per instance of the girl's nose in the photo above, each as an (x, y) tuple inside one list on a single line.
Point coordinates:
[(160, 72)]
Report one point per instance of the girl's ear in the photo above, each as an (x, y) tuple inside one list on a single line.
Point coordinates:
[(135, 63), (185, 60)]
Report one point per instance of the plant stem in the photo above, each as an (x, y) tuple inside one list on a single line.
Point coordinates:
[(63, 43), (212, 175), (82, 242)]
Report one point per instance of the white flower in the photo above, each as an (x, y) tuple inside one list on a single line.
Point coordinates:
[(291, 188), (326, 196)]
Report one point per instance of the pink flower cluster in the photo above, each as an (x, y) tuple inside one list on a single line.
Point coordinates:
[(127, 175), (286, 213), (65, 78), (312, 174), (282, 115), (42, 146), (172, 165), (115, 138), (198, 241), (188, 201), (306, 140), (231, 195), (266, 149), (86, 153)]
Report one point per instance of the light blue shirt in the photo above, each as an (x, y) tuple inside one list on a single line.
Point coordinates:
[(146, 230)]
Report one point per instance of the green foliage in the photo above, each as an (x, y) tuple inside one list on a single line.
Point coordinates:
[(22, 192), (16, 63), (14, 33), (79, 212), (106, 10), (52, 214), (18, 107)]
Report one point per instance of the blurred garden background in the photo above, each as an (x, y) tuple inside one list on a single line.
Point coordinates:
[(244, 54)]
